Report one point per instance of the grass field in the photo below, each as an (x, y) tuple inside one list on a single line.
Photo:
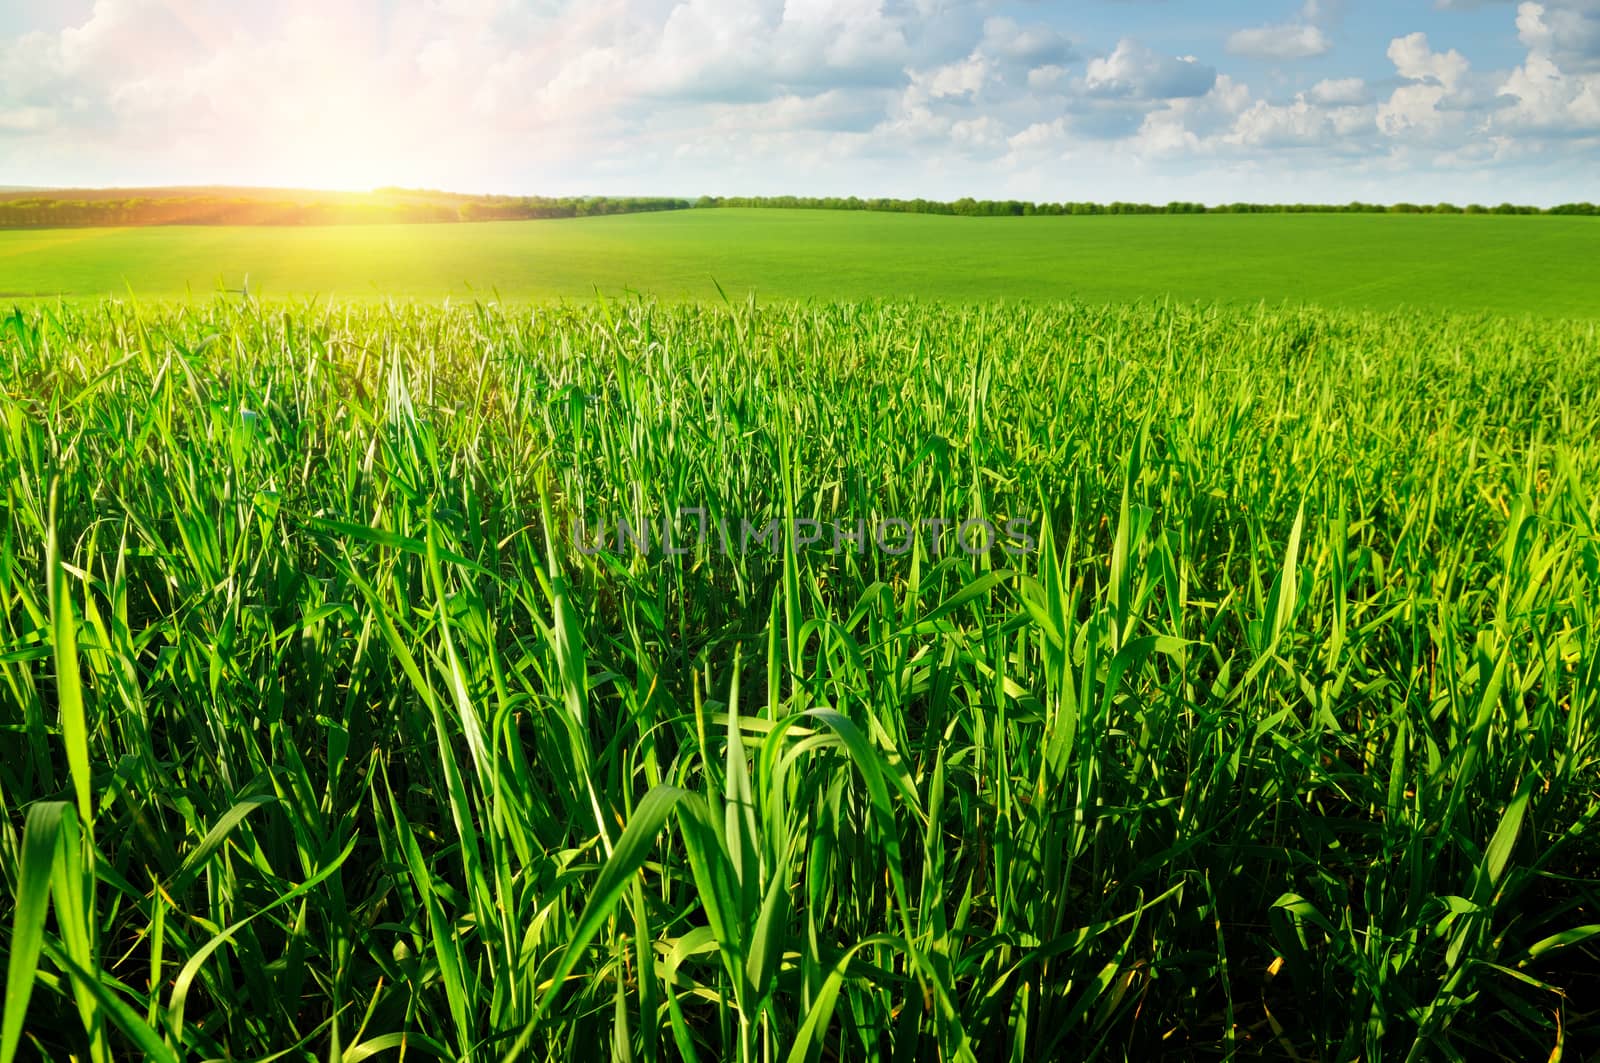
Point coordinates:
[(335, 737), (1547, 266)]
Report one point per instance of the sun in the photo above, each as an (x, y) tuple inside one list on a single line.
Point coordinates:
[(345, 160)]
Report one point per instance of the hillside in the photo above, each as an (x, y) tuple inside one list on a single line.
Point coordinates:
[(1512, 265)]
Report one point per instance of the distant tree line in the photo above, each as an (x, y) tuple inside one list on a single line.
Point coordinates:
[(106, 207), (43, 212), (511, 208), (999, 208)]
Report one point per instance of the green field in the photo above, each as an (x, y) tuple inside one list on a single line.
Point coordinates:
[(1547, 266), (328, 734)]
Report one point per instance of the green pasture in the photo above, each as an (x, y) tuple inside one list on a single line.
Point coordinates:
[(1543, 266)]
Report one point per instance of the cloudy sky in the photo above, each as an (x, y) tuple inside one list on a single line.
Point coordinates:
[(1328, 100)]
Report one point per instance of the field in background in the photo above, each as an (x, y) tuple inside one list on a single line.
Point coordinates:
[(1545, 266), (1283, 744)]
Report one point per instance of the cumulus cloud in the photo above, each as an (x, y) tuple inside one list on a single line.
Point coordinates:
[(984, 133), (963, 78), (1304, 122), (1037, 137), (1567, 34), (1047, 79), (1194, 125), (1341, 92), (835, 110), (560, 95), (1550, 94), (1135, 71), (1280, 42), (26, 119), (1420, 107), (1548, 99), (1029, 46), (733, 50), (1415, 60), (1556, 90)]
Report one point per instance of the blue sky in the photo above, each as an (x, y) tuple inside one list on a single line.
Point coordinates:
[(1319, 100)]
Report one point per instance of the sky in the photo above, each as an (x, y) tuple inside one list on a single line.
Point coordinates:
[(1141, 100)]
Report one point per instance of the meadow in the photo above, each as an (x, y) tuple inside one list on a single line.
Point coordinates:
[(1545, 266), (331, 735)]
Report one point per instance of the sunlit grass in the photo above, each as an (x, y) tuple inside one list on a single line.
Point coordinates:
[(325, 738), (1540, 266)]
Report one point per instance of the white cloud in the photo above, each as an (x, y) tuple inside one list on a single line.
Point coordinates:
[(1040, 137), (1547, 99), (1340, 92), (1414, 109), (26, 119), (963, 78), (1567, 32), (1305, 122), (1137, 72), (1030, 46), (983, 133), (119, 30), (1196, 124), (1415, 60), (1045, 79), (1280, 42), (1264, 125), (832, 111), (1556, 89), (438, 59), (677, 95)]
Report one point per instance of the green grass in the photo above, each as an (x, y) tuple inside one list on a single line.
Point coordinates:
[(1518, 265), (323, 737)]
